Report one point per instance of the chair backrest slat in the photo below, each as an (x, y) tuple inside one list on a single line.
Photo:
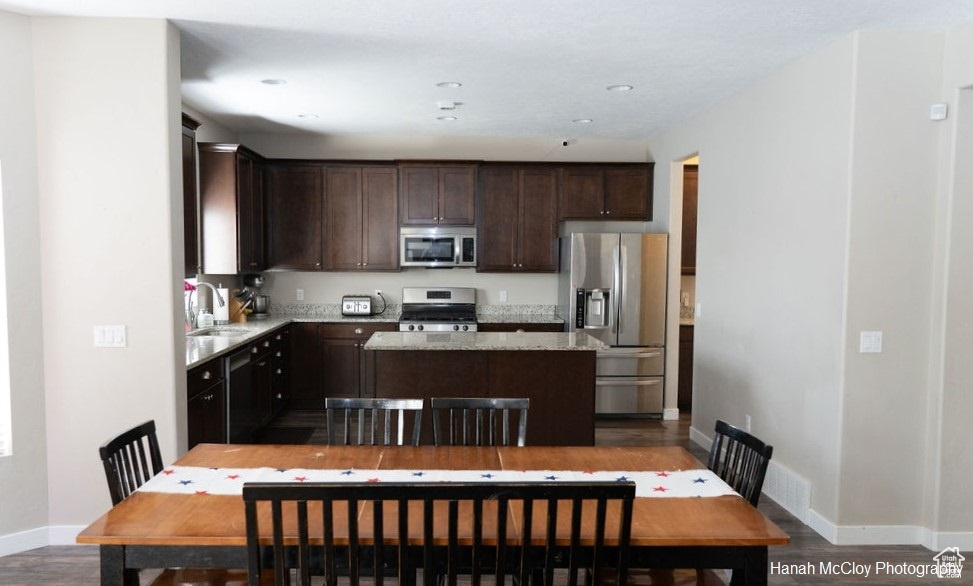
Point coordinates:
[(130, 459), (740, 459), (376, 421), (478, 421), (478, 539)]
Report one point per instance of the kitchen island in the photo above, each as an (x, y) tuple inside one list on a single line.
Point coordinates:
[(556, 371)]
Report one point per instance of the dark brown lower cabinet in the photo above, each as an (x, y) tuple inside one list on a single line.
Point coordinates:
[(685, 396), (550, 379), (206, 407), (328, 360)]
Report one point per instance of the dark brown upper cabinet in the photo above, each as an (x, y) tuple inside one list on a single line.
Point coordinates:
[(517, 212), (190, 203), (231, 204), (361, 218), (690, 183), (437, 194), (295, 204), (591, 191)]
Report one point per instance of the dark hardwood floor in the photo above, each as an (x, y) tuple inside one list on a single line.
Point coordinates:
[(78, 565)]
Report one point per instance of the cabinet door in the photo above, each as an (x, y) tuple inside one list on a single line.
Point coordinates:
[(206, 416), (263, 385), (343, 201), (294, 217), (498, 214), (419, 199), (380, 215), (628, 194), (341, 358), (690, 182), (538, 221), (582, 193), (250, 216), (190, 220), (306, 369), (456, 195)]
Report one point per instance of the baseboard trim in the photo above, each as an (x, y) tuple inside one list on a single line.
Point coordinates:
[(24, 541)]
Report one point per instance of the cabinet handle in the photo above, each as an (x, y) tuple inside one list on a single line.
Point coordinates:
[(208, 397), (262, 363), (207, 375), (280, 371), (608, 212), (254, 350), (266, 343), (359, 331), (601, 213), (279, 354)]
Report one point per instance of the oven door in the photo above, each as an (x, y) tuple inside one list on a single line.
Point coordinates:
[(428, 250)]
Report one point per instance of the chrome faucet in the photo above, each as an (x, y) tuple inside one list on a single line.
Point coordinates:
[(190, 316)]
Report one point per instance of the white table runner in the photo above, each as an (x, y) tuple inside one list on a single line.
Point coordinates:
[(229, 481)]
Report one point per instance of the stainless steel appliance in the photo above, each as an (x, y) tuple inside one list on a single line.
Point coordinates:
[(437, 247), (438, 309), (613, 287)]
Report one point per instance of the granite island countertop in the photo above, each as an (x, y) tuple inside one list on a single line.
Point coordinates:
[(557, 341)]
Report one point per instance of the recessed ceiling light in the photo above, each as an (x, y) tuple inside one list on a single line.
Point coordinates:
[(308, 115), (582, 121), (620, 88), (449, 84), (446, 118), (273, 81)]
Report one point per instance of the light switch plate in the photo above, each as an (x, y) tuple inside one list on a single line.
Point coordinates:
[(870, 343), (110, 337)]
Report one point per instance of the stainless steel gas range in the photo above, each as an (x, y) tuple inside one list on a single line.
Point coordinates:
[(438, 309)]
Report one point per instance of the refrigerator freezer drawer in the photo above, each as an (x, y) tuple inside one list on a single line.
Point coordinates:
[(643, 361), (628, 396)]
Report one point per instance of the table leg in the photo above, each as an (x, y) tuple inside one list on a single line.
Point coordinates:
[(113, 572), (754, 570)]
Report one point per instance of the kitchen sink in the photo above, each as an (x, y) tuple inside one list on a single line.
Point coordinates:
[(221, 331)]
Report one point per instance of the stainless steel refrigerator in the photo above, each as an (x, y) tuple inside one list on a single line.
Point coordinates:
[(613, 287)]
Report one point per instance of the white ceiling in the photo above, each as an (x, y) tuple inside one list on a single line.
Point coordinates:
[(529, 68)]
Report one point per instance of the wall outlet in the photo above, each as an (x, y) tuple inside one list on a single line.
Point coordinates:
[(503, 296), (870, 342), (299, 295)]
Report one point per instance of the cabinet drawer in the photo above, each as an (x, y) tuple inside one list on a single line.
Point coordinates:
[(204, 376), (355, 330)]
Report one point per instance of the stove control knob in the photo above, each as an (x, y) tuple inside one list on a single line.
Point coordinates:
[(411, 327), (455, 328), (466, 328), (419, 327)]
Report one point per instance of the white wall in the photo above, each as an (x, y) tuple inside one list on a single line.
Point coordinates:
[(110, 195), (770, 255), (820, 212), (23, 475)]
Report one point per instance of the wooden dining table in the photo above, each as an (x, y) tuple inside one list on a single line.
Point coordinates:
[(167, 530)]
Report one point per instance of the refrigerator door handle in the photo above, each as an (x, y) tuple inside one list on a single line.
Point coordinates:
[(616, 287)]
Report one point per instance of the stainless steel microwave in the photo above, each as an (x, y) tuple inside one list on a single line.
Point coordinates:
[(437, 247)]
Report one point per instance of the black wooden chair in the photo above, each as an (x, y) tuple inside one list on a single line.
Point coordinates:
[(478, 421), (368, 416), (740, 459), (471, 529), (130, 459)]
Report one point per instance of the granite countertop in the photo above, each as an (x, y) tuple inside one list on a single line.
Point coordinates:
[(200, 348), (483, 341)]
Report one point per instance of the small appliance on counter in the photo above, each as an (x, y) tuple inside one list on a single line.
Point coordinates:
[(356, 305)]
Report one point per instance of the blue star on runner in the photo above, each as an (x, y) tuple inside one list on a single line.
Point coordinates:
[(699, 481)]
